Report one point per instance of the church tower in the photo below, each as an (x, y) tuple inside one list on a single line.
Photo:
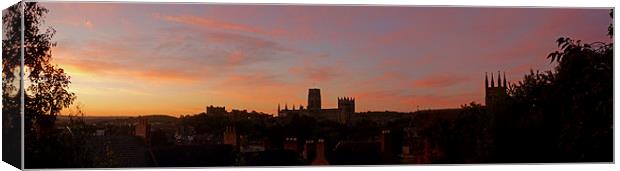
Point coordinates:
[(495, 96), (314, 100)]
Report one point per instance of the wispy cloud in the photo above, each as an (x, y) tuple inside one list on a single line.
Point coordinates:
[(439, 81), (315, 69), (210, 23)]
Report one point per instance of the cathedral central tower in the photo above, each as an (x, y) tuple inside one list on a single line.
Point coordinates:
[(314, 99)]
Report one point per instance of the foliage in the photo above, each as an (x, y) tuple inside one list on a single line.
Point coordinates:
[(47, 93), (573, 102), (73, 146)]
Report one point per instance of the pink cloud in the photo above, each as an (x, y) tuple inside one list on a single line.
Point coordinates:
[(235, 58), (312, 70), (316, 73), (244, 42), (88, 24), (209, 23), (438, 81)]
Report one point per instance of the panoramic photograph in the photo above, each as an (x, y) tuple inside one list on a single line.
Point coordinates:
[(145, 84)]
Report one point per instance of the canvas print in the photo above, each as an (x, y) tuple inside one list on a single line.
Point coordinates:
[(136, 85)]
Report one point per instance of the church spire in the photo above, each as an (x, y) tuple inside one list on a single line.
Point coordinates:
[(278, 107), (499, 80)]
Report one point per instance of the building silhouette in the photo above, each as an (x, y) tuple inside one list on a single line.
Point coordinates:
[(212, 110), (495, 95), (343, 114), (314, 100)]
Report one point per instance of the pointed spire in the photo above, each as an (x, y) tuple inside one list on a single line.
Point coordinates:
[(492, 82), (285, 106), (278, 107), (293, 107), (505, 80), (486, 80)]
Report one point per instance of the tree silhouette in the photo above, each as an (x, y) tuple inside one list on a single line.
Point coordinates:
[(571, 107), (47, 93)]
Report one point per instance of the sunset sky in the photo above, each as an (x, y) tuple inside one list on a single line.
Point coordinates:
[(148, 58)]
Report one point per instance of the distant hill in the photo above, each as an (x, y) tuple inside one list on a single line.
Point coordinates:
[(161, 118)]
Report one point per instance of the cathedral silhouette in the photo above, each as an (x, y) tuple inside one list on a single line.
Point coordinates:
[(342, 114)]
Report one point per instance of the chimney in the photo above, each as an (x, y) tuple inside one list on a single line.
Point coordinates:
[(384, 141), (306, 148), (230, 136), (320, 154), (290, 143)]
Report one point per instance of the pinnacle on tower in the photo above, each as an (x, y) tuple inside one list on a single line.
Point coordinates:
[(499, 80), (486, 80)]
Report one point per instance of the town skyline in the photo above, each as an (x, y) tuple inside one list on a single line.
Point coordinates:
[(150, 59)]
